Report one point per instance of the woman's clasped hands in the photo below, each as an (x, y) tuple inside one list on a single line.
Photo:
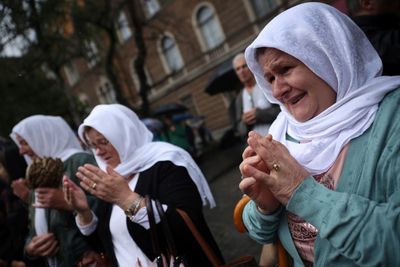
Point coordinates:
[(108, 186), (270, 174)]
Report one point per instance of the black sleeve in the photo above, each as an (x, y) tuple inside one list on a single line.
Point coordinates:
[(267, 115), (173, 186)]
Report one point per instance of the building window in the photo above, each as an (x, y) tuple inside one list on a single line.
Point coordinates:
[(84, 106), (263, 7), (106, 92), (151, 7), (209, 27), (92, 53), (171, 54), (71, 73), (124, 32)]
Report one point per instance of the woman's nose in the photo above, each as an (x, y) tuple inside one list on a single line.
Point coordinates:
[(22, 150), (279, 88), (99, 151)]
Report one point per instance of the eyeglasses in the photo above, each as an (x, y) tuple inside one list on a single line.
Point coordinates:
[(102, 143)]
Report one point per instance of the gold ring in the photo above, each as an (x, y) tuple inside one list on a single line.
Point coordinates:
[(94, 186), (276, 167)]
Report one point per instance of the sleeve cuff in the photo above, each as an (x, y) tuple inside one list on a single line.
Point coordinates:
[(141, 216), (261, 227), (87, 229)]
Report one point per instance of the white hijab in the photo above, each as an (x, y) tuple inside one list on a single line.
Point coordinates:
[(336, 50), (133, 142), (48, 136)]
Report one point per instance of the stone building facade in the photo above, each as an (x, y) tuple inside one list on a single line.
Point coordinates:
[(189, 43)]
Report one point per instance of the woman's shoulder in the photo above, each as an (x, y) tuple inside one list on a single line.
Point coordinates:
[(391, 98), (80, 158), (389, 106), (162, 165)]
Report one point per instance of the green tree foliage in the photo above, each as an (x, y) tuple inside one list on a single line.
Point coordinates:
[(56, 32), (25, 92)]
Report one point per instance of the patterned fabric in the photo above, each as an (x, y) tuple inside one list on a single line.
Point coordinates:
[(304, 233)]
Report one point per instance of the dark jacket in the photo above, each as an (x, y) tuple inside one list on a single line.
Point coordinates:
[(62, 223), (383, 31), (171, 185)]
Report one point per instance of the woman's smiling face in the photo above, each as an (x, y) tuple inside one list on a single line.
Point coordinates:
[(303, 93)]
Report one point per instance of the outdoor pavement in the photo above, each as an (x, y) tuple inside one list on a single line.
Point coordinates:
[(221, 168)]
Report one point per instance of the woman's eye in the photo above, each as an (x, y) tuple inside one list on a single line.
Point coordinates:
[(285, 69), (271, 79)]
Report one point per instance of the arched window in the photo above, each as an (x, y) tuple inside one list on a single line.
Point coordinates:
[(92, 53), (72, 73), (151, 7), (106, 92), (209, 27), (263, 7), (171, 54), (124, 32)]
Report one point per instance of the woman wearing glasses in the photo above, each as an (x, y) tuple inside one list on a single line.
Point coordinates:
[(130, 167)]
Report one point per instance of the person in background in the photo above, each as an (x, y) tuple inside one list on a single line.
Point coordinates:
[(178, 133), (13, 211), (257, 112), (380, 21), (54, 239), (132, 166), (326, 181)]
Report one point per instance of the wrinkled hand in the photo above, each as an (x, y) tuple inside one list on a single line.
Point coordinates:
[(44, 245), (110, 186), (50, 198), (77, 201), (91, 258), (20, 189), (257, 190), (75, 196), (283, 182), (249, 117)]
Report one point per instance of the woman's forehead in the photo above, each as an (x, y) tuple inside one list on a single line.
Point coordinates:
[(20, 138), (92, 133)]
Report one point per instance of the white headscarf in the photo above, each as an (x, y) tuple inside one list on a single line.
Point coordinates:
[(48, 136), (133, 142), (336, 50)]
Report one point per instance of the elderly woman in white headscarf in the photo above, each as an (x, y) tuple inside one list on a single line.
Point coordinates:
[(326, 181), (53, 234), (130, 167)]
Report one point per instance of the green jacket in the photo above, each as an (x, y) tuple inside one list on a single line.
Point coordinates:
[(62, 223), (359, 223)]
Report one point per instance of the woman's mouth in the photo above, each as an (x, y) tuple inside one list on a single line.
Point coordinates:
[(294, 100)]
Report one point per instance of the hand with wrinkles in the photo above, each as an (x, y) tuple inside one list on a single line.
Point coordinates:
[(76, 199), (257, 190), (108, 186), (50, 198), (44, 245), (20, 189), (259, 159)]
